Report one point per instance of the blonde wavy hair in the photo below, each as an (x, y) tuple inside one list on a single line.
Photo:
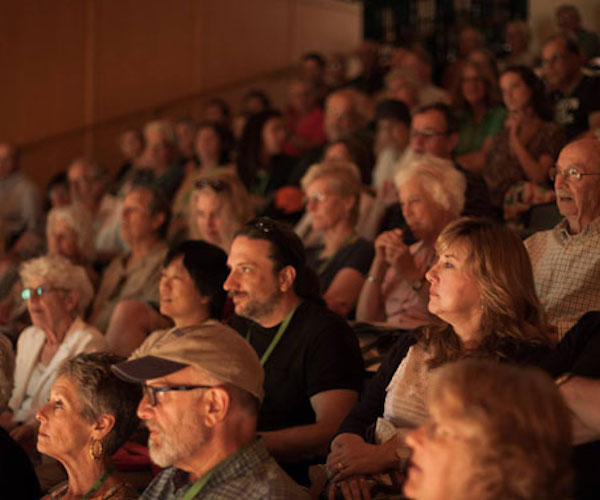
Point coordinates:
[(513, 316), (237, 205), (515, 426), (81, 224)]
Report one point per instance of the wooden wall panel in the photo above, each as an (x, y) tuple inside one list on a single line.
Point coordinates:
[(41, 56)]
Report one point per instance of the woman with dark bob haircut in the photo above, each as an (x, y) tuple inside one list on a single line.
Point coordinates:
[(89, 416)]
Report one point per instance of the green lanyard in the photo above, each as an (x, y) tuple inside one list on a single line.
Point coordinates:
[(198, 485), (201, 483), (280, 331), (327, 261), (96, 486)]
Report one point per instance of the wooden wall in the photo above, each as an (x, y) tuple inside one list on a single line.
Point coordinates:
[(76, 73)]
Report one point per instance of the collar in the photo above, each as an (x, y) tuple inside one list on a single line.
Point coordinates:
[(562, 231)]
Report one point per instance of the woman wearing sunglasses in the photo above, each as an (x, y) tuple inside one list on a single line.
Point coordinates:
[(57, 294)]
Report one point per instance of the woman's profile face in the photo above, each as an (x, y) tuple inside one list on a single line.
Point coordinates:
[(63, 431), (515, 92), (440, 462), (273, 136), (454, 295), (210, 217)]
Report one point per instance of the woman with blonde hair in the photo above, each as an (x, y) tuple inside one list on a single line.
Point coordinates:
[(219, 206), (332, 191), (495, 432), (482, 290)]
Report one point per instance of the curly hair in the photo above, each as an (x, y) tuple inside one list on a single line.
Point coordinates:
[(513, 316), (515, 427)]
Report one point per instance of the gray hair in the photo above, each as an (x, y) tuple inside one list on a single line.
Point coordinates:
[(80, 222), (444, 184), (59, 272), (344, 177), (101, 392), (163, 127)]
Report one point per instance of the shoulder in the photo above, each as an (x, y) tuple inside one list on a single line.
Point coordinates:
[(537, 239)]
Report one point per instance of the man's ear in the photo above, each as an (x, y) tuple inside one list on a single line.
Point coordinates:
[(287, 276), (216, 404), (158, 221)]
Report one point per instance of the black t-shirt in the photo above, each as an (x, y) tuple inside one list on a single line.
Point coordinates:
[(357, 255), (17, 473), (572, 110), (318, 352)]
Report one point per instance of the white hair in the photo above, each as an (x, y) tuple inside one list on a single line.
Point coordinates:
[(163, 127), (59, 272), (438, 177), (80, 222)]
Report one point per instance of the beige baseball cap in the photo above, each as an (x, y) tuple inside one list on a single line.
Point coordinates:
[(213, 347)]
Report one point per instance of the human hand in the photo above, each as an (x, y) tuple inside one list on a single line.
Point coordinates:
[(351, 456), (354, 488), (397, 255)]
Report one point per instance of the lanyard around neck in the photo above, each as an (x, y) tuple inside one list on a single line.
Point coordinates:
[(328, 260), (280, 331), (96, 486)]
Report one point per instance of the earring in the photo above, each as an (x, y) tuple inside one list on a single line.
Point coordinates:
[(96, 450)]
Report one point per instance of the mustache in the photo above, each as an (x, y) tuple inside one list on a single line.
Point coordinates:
[(233, 293)]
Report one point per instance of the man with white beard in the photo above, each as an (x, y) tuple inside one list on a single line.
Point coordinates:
[(202, 392)]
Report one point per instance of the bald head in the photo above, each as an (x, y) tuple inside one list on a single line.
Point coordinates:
[(578, 200)]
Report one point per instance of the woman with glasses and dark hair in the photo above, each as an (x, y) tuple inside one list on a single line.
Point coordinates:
[(87, 418), (57, 294), (516, 171), (219, 206)]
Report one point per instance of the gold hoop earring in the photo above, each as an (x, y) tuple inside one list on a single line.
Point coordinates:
[(96, 450)]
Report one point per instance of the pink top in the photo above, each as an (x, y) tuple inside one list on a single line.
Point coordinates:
[(404, 308), (309, 127)]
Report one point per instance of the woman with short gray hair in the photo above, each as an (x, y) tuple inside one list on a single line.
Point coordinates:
[(432, 194), (97, 415), (57, 294)]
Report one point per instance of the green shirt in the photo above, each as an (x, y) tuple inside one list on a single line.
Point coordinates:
[(471, 135)]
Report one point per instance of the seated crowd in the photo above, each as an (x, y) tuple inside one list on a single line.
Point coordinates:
[(388, 289)]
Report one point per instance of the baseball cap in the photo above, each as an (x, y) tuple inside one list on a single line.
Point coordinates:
[(212, 347)]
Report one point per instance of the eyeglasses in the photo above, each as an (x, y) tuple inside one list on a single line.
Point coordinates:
[(150, 391), (315, 198), (27, 293), (426, 134), (215, 184), (553, 60), (571, 173)]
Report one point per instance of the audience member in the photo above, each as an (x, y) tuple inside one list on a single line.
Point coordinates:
[(517, 165), (566, 263), (370, 79), (431, 193), (135, 275), (332, 191), (336, 72), (131, 146), (568, 20), (517, 43), (576, 97), (312, 70), (57, 294), (161, 156), (311, 357), (262, 165), (191, 292), (218, 111), (482, 289), (220, 206), (20, 210), (581, 395), (255, 101), (493, 433), (392, 119), (89, 415), (185, 131), (202, 392), (88, 183), (57, 191), (477, 100), (419, 62), (402, 85), (304, 119), (469, 40)]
